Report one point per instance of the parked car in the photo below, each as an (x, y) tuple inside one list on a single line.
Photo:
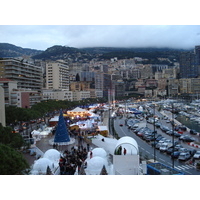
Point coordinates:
[(192, 151), (170, 132), (176, 128), (164, 147), (197, 155), (182, 137), (169, 150), (159, 138), (149, 138), (121, 124), (157, 124), (175, 154), (143, 130), (176, 134), (137, 130), (188, 139), (183, 150), (158, 145), (177, 147), (164, 128), (183, 128), (193, 132), (135, 126), (184, 156), (154, 143)]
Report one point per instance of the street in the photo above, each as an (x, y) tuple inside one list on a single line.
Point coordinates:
[(148, 151)]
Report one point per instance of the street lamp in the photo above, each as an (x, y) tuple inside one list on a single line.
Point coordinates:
[(173, 132), (154, 131)]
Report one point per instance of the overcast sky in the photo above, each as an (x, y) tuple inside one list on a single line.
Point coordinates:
[(42, 37)]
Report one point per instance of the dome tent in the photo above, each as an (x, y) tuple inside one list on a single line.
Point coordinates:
[(98, 152), (95, 165), (53, 155), (129, 143), (40, 166)]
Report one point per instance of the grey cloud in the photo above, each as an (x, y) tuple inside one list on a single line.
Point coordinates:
[(44, 36)]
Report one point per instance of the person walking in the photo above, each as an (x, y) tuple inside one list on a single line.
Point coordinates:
[(88, 147), (124, 151), (90, 154)]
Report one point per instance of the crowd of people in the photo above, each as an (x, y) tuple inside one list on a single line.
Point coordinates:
[(72, 160)]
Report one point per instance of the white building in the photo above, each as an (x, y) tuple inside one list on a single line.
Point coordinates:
[(80, 95), (57, 75), (57, 95)]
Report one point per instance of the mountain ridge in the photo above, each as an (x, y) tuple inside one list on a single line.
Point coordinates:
[(87, 53), (10, 50)]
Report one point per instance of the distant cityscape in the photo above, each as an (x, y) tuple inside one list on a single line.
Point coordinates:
[(27, 81)]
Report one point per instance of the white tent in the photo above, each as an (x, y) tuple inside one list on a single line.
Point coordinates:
[(40, 166), (129, 143), (77, 109), (54, 119), (34, 132)]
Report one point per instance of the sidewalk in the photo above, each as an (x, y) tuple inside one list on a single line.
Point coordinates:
[(44, 145)]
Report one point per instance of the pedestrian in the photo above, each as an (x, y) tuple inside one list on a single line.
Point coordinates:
[(124, 151), (90, 154), (193, 161), (120, 150), (88, 147)]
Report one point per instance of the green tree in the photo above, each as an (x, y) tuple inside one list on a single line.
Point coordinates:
[(12, 161), (9, 138)]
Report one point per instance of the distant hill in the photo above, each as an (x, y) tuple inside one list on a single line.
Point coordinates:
[(150, 53), (63, 52), (85, 54), (104, 50), (10, 50)]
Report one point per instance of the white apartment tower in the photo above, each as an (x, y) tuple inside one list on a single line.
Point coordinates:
[(57, 75)]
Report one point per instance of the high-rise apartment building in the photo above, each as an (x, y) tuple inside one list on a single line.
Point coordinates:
[(190, 63), (197, 58), (57, 75), (26, 73)]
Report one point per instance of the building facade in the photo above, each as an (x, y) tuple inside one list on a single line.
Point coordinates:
[(25, 98), (57, 95), (8, 86), (188, 67), (26, 73), (2, 107), (57, 75)]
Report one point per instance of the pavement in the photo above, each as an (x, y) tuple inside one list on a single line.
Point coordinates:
[(43, 144)]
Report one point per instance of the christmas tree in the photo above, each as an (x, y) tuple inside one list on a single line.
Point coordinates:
[(61, 134)]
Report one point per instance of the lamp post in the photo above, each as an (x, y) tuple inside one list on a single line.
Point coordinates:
[(173, 133), (154, 131)]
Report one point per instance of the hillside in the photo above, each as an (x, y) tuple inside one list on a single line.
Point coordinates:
[(10, 50), (63, 52), (85, 54)]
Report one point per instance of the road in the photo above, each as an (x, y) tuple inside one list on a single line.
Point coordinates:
[(148, 151)]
